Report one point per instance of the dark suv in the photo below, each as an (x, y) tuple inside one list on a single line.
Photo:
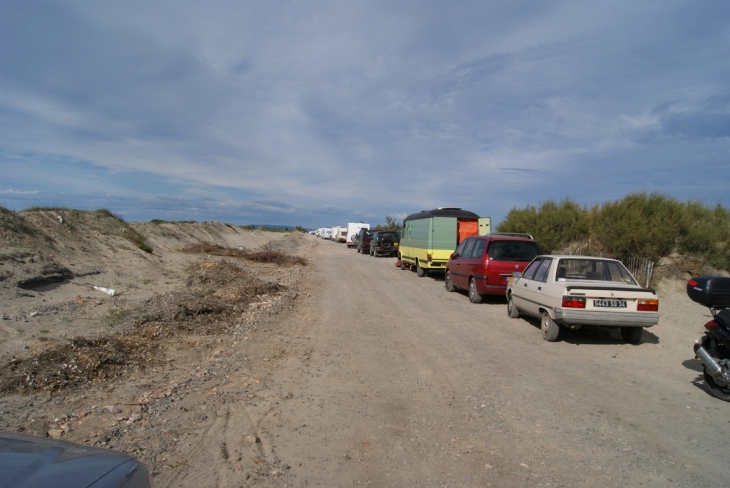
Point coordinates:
[(482, 264), (384, 243)]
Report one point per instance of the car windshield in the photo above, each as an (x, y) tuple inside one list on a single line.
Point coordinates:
[(593, 269), (513, 250)]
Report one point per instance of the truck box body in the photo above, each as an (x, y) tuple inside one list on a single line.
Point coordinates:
[(428, 238), (710, 291), (353, 228)]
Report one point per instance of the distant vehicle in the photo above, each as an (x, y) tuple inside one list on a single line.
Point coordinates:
[(582, 291), (363, 240), (483, 264), (29, 462), (428, 238), (341, 235), (353, 230), (384, 243), (326, 233)]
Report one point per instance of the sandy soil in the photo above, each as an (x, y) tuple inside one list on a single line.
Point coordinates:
[(351, 372)]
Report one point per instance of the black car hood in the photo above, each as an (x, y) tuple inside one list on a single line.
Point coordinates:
[(29, 462)]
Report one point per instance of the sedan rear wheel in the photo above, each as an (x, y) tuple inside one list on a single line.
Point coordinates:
[(474, 296), (632, 335), (550, 329)]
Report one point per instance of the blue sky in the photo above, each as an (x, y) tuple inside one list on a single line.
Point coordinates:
[(323, 112)]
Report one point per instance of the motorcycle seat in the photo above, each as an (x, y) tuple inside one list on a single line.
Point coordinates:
[(723, 317)]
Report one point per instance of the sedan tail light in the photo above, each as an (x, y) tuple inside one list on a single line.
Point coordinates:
[(711, 323), (648, 306), (574, 302)]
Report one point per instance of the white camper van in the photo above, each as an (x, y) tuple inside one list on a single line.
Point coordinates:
[(353, 229)]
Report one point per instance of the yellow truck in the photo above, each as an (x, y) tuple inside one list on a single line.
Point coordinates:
[(429, 237)]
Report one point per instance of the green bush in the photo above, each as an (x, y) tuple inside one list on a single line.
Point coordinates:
[(639, 225), (642, 225), (553, 225), (108, 213)]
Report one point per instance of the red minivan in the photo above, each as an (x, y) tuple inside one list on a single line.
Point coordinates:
[(482, 264)]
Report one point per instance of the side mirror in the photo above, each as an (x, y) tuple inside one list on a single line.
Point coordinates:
[(454, 255)]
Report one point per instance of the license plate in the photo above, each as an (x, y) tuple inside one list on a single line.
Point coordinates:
[(609, 303)]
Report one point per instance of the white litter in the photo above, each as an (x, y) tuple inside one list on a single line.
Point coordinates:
[(108, 291)]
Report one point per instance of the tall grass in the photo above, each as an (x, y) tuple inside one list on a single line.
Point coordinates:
[(647, 225)]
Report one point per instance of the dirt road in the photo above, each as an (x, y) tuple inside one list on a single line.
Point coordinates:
[(358, 373), (397, 382)]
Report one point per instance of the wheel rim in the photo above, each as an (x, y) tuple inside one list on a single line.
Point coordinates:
[(509, 305), (447, 279), (544, 324), (472, 289)]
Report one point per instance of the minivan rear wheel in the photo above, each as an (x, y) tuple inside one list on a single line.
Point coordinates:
[(447, 282), (474, 296)]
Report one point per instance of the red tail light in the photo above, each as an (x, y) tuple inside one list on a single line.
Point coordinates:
[(648, 306), (574, 302), (711, 323), (428, 257), (692, 283)]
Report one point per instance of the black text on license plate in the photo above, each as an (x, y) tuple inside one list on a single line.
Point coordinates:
[(609, 303)]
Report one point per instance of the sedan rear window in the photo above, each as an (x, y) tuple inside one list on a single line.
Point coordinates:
[(593, 269)]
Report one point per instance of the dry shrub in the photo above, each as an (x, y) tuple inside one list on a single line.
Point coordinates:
[(141, 335), (213, 250), (81, 361), (268, 253)]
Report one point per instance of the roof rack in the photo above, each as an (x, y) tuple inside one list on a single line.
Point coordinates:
[(515, 234)]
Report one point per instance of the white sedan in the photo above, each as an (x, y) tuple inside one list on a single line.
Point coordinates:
[(582, 291)]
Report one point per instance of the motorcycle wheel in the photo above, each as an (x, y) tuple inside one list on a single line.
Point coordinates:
[(721, 392)]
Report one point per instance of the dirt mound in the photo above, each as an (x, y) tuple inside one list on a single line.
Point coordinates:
[(681, 268), (56, 265)]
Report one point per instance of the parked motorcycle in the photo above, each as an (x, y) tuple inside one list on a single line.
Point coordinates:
[(713, 349)]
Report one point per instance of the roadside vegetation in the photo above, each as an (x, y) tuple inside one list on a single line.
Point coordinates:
[(391, 223), (641, 224)]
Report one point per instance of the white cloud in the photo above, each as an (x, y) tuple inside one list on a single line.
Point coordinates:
[(333, 109)]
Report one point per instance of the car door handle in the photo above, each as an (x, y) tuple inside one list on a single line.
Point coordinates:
[(524, 284), (539, 288)]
